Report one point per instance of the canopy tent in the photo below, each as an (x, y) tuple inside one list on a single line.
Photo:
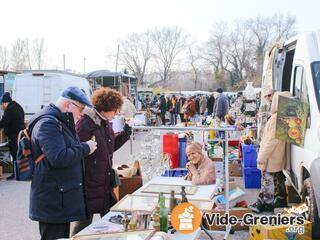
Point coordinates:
[(116, 80)]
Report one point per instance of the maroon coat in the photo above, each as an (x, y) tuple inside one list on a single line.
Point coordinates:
[(98, 166)]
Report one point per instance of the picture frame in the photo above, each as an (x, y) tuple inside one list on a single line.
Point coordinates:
[(291, 123), (131, 203), (166, 188)]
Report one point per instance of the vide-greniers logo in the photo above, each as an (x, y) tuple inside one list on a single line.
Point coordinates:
[(186, 218)]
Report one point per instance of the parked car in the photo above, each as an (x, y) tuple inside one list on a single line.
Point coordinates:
[(34, 90)]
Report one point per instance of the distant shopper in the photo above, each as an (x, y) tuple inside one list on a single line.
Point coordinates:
[(203, 105), (163, 109), (180, 108), (100, 178), (190, 109), (273, 157), (57, 192), (12, 122), (201, 169), (210, 104), (197, 104), (221, 107), (172, 106)]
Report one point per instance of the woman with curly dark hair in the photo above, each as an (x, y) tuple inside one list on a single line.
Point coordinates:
[(99, 176)]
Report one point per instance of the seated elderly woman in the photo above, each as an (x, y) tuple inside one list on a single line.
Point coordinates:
[(201, 169)]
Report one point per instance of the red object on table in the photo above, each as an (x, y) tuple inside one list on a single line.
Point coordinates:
[(171, 147)]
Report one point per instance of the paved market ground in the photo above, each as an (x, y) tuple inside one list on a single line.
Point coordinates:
[(14, 204)]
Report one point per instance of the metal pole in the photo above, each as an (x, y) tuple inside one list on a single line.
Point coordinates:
[(64, 62), (84, 65), (181, 128), (117, 59), (226, 162), (131, 143)]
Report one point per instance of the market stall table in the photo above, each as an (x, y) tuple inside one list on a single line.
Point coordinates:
[(204, 192)]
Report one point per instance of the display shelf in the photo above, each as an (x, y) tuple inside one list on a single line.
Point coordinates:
[(226, 154)]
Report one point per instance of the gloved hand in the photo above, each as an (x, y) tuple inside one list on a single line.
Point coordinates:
[(127, 129)]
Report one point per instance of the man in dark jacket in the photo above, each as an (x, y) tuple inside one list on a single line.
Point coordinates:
[(221, 107), (57, 193), (210, 104), (163, 109), (197, 104), (12, 122)]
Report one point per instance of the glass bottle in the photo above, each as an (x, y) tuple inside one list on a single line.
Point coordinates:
[(163, 214)]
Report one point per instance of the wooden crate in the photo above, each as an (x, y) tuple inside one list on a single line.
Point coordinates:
[(129, 185), (261, 232), (238, 212)]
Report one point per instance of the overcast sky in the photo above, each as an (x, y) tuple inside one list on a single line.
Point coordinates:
[(87, 29)]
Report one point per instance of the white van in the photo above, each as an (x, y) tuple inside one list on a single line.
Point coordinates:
[(34, 90), (295, 66)]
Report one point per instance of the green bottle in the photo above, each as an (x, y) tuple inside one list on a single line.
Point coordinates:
[(163, 214)]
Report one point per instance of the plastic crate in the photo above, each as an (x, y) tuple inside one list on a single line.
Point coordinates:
[(182, 152), (171, 147), (233, 143), (175, 173), (252, 177), (249, 155)]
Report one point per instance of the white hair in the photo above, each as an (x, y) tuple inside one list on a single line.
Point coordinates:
[(61, 101)]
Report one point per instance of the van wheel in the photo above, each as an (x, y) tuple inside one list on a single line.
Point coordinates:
[(312, 213)]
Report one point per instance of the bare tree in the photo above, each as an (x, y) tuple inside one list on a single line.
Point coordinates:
[(135, 53), (20, 57), (4, 58), (268, 30), (38, 52), (193, 59), (214, 50), (283, 27), (169, 42), (239, 52)]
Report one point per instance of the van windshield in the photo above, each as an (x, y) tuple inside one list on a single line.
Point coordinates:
[(316, 80)]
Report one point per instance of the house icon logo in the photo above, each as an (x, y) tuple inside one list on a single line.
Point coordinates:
[(185, 218)]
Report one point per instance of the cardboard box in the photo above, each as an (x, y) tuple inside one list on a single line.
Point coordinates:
[(235, 169), (238, 212), (261, 232), (129, 185)]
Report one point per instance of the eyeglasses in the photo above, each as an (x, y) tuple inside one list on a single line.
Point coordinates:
[(80, 108)]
